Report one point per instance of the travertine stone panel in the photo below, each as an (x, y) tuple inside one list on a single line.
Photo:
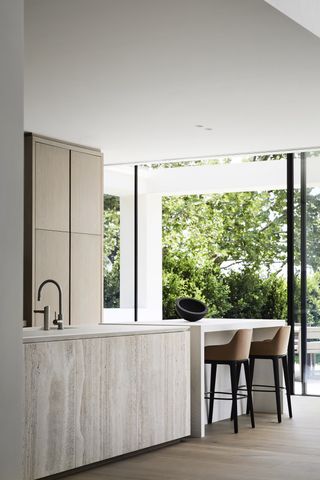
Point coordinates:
[(92, 399), (120, 385), (88, 401), (49, 408)]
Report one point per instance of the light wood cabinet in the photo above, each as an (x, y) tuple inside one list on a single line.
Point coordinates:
[(86, 193), (92, 399), (86, 275), (63, 194), (51, 187), (52, 261)]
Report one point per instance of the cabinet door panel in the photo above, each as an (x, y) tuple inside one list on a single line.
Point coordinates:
[(88, 402), (86, 193), (49, 408), (51, 187), (163, 397), (119, 407), (86, 278), (51, 261)]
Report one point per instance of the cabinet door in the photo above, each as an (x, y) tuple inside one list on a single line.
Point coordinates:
[(49, 445), (51, 261), (86, 278), (120, 386), (86, 193), (164, 393), (51, 187), (88, 401)]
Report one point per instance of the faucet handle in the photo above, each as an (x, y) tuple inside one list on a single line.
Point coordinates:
[(58, 321), (46, 316)]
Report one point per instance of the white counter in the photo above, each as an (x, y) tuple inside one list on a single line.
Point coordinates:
[(37, 334), (209, 324)]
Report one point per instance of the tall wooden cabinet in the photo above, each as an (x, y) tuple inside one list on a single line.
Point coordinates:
[(63, 230)]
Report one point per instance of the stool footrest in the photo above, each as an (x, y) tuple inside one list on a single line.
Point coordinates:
[(267, 388), (209, 395)]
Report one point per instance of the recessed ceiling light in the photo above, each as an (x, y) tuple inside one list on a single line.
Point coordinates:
[(199, 126)]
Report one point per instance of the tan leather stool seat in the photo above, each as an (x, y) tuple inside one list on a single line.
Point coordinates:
[(274, 349), (276, 346), (235, 354), (237, 349)]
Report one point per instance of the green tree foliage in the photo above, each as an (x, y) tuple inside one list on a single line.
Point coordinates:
[(111, 264), (228, 251)]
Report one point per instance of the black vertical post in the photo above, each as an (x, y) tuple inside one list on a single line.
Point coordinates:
[(303, 249), (135, 241), (290, 263)]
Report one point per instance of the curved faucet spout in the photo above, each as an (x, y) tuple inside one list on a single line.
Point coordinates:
[(59, 290)]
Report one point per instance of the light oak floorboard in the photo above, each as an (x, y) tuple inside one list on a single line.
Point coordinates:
[(272, 450)]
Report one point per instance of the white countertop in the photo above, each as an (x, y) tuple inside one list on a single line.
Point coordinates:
[(212, 324), (37, 334)]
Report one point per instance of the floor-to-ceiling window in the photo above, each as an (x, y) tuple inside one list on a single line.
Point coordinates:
[(223, 228), (118, 262), (307, 263)]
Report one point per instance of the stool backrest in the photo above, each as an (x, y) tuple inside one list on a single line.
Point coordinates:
[(281, 341), (239, 346)]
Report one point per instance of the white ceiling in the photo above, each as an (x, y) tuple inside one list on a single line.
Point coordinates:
[(135, 77), (304, 12)]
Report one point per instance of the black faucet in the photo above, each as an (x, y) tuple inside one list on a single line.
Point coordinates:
[(57, 321)]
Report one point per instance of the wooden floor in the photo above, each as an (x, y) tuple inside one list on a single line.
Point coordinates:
[(290, 450)]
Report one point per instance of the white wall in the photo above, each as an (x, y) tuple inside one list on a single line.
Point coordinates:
[(11, 190), (304, 12)]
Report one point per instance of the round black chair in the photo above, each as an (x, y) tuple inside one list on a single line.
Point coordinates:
[(190, 309)]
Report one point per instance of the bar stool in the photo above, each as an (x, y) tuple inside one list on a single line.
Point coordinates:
[(234, 354), (273, 349)]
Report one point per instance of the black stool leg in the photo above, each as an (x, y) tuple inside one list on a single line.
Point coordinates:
[(275, 361), (286, 379), (212, 387), (249, 392), (238, 379), (234, 385), (252, 360)]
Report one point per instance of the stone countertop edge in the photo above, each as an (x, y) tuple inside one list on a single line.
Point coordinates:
[(72, 334)]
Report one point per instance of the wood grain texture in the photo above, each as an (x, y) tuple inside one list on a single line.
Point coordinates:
[(270, 451), (86, 278), (50, 376), (86, 193), (51, 261), (51, 187), (48, 204)]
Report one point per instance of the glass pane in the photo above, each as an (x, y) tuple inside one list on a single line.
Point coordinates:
[(297, 272), (313, 272), (219, 229), (118, 243)]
